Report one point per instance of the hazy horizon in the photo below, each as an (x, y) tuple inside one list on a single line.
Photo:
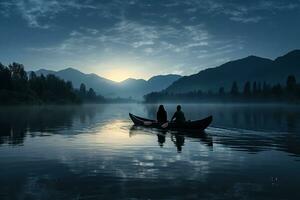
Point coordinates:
[(137, 78)]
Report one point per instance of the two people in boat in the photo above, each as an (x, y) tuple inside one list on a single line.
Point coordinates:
[(162, 116)]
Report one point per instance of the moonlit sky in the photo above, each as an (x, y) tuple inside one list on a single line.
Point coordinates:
[(118, 39)]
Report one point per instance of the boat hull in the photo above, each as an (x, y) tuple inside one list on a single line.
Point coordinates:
[(198, 125)]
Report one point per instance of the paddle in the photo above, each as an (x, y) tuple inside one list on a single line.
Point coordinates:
[(147, 123), (165, 125)]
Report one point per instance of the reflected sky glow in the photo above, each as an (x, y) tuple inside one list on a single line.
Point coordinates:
[(94, 151)]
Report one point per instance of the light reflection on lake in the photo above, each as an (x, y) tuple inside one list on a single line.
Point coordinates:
[(94, 152)]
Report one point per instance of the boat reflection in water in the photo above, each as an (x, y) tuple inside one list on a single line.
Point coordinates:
[(178, 141), (177, 137), (161, 139)]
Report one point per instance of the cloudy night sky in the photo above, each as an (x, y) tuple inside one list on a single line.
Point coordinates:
[(118, 39)]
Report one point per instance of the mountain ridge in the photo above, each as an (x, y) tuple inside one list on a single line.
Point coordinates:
[(250, 68), (134, 88)]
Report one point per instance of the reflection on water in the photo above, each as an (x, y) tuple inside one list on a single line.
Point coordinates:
[(15, 122), (176, 137), (94, 152)]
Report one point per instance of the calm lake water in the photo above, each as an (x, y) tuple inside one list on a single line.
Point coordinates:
[(94, 152)]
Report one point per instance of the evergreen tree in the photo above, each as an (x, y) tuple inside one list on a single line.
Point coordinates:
[(91, 94), (247, 89), (291, 83), (5, 78), (234, 89), (254, 88), (265, 89), (18, 76), (259, 88), (82, 90)]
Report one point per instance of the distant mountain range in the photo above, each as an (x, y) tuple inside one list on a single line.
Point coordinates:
[(134, 88), (251, 68)]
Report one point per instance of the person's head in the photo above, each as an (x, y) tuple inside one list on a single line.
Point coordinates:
[(179, 108), (161, 108)]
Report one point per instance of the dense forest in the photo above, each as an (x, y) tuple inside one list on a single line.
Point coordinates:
[(17, 87), (249, 92)]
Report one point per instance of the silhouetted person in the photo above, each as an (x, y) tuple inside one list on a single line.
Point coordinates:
[(161, 139), (178, 141), (161, 115), (178, 115)]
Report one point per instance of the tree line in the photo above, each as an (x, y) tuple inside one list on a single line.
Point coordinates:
[(89, 95), (254, 91), (17, 87)]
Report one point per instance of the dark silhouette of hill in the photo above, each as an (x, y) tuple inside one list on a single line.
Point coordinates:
[(100, 84), (162, 81), (140, 87), (134, 88), (251, 68)]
